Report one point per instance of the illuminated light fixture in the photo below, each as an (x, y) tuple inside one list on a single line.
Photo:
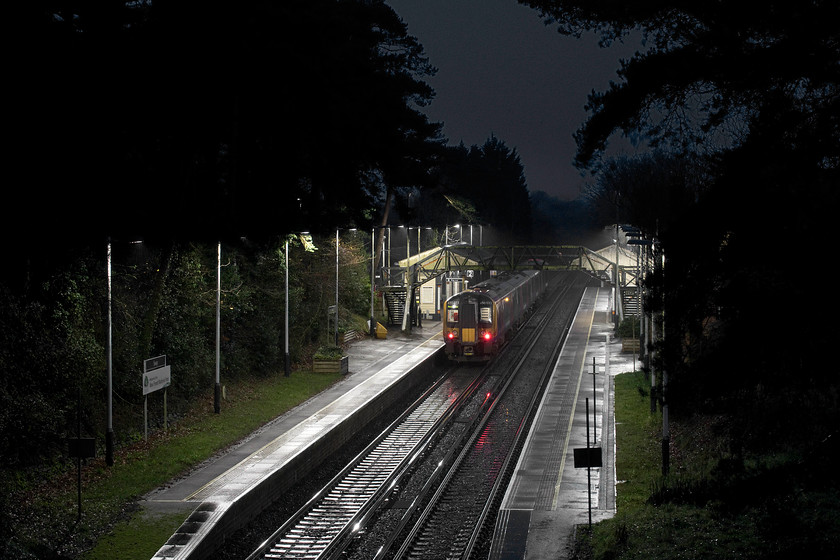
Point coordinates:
[(451, 335), (488, 336)]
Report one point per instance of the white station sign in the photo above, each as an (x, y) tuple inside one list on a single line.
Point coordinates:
[(155, 375)]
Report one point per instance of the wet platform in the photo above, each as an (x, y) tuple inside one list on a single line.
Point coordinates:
[(548, 495), (226, 492)]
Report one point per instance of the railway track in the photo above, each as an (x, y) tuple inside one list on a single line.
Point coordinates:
[(323, 526), (457, 519), (444, 459)]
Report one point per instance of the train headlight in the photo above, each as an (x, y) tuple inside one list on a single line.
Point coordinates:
[(487, 336), (452, 335)]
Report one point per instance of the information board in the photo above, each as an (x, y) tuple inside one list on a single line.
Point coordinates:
[(156, 379)]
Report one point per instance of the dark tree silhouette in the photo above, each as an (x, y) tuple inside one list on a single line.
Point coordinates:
[(485, 184), (750, 91), (213, 119)]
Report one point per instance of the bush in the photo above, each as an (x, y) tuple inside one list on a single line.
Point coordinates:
[(53, 331), (329, 353), (629, 327)]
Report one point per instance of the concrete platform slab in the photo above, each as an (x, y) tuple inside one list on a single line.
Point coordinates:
[(546, 488), (225, 492)]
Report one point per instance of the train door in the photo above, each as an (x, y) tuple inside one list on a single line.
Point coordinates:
[(469, 321)]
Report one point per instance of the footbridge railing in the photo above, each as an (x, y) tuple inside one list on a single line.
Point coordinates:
[(427, 265), (439, 260)]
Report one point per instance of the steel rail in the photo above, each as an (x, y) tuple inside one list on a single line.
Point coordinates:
[(425, 518), (323, 524)]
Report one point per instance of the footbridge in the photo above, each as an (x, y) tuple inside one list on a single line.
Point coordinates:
[(608, 264)]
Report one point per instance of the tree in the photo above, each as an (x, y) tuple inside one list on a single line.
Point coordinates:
[(568, 222), (485, 184), (751, 93), (712, 72), (647, 190), (218, 119)]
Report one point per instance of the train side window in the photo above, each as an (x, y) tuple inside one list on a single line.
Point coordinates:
[(485, 313)]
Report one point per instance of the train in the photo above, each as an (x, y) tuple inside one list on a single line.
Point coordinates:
[(478, 321)]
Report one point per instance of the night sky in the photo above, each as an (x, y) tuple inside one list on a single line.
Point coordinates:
[(503, 72)]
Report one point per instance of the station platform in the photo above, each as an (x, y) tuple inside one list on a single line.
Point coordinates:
[(546, 498), (548, 495), (226, 492)]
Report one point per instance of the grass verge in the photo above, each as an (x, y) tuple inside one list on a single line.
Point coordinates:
[(112, 525), (712, 504)]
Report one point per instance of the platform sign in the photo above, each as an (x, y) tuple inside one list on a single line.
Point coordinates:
[(82, 448), (154, 363), (156, 379), (587, 457), (156, 374)]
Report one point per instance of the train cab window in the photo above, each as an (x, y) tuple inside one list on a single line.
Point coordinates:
[(452, 309)]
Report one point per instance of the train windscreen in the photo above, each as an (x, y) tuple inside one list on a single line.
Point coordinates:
[(452, 309), (468, 313)]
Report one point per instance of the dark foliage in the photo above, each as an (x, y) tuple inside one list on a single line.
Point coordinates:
[(53, 349), (212, 120), (482, 185), (743, 101), (571, 222)]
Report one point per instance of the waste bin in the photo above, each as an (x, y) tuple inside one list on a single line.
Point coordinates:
[(381, 332)]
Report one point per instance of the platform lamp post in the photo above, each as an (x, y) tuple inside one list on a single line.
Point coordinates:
[(336, 287), (287, 358), (109, 358), (288, 362), (109, 433), (617, 288), (407, 281), (373, 272), (449, 289), (386, 260), (371, 325), (336, 283), (666, 427), (636, 238), (217, 391)]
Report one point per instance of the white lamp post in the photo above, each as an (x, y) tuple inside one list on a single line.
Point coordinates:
[(217, 391), (109, 434)]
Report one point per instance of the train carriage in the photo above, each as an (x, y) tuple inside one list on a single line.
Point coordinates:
[(478, 321)]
